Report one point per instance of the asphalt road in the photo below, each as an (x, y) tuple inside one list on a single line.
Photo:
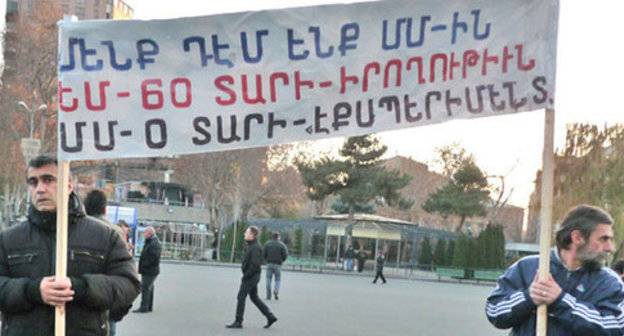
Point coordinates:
[(200, 300)]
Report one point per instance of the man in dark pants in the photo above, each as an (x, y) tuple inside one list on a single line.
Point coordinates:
[(381, 259), (149, 267), (251, 268), (275, 253)]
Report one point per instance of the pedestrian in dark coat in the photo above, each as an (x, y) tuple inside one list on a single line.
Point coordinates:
[(101, 276), (379, 265), (361, 259), (251, 268), (149, 267), (275, 253)]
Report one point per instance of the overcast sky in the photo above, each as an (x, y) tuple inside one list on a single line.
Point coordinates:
[(590, 68)]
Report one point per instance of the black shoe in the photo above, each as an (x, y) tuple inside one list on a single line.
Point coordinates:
[(235, 325), (268, 298), (270, 321), (140, 310), (276, 298)]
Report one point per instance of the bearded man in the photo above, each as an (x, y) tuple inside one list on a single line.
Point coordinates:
[(583, 297)]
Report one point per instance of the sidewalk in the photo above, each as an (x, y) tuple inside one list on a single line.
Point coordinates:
[(389, 272)]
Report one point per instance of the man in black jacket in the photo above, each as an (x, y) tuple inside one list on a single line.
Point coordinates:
[(381, 259), (149, 267), (275, 253), (101, 276), (251, 268)]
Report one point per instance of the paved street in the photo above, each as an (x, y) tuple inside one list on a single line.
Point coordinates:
[(200, 300)]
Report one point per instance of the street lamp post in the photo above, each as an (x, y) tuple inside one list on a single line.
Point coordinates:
[(30, 145)]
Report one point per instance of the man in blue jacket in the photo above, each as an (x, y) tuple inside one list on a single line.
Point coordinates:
[(583, 297)]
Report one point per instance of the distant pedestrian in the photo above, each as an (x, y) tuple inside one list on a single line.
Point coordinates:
[(275, 253), (251, 267), (126, 228), (149, 267), (349, 256), (379, 265), (361, 259)]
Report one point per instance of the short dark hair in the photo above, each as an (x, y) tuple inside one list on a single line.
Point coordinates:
[(40, 161), (254, 230), (122, 222), (584, 218), (276, 235), (95, 203)]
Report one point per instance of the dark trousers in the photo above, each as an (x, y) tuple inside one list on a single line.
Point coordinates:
[(379, 275), (250, 287), (147, 291)]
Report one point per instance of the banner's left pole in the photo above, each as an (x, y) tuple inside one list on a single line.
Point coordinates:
[(61, 239)]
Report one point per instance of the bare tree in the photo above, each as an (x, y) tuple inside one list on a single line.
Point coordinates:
[(31, 70)]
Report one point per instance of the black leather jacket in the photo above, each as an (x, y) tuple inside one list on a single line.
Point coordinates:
[(275, 252), (101, 270), (252, 264)]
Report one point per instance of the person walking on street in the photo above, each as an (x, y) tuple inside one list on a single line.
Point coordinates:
[(275, 253), (149, 267), (361, 259), (583, 297), (101, 275), (381, 259), (251, 268), (349, 256)]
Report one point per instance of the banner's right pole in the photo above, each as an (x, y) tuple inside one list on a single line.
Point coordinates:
[(546, 212)]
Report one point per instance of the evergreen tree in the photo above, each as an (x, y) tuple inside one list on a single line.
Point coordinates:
[(226, 245), (471, 255), (297, 241), (450, 253), (358, 178), (498, 247), (338, 206), (439, 254), (264, 235), (483, 247), (462, 253), (490, 247), (426, 255), (465, 195)]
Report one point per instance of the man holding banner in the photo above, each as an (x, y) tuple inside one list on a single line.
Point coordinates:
[(101, 275), (583, 297)]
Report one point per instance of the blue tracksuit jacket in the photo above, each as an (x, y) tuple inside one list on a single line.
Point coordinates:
[(591, 302)]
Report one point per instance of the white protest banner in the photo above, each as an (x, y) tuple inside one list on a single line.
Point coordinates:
[(200, 84)]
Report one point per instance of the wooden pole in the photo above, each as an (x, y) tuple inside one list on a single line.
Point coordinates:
[(61, 238), (546, 213)]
